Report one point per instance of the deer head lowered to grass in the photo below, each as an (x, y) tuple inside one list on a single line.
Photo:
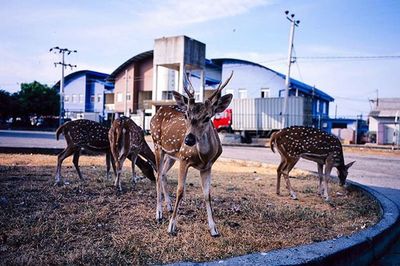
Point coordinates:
[(312, 144), (90, 135), (127, 141), (186, 133)]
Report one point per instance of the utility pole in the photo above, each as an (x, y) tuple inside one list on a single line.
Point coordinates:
[(294, 23), (63, 65)]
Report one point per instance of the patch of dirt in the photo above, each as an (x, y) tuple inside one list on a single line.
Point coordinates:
[(88, 222)]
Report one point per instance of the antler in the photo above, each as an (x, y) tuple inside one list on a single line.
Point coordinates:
[(188, 92), (220, 88)]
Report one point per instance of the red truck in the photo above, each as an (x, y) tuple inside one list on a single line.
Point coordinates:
[(223, 121)]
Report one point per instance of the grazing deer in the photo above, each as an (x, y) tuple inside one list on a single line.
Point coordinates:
[(127, 141), (90, 135), (312, 144), (185, 133)]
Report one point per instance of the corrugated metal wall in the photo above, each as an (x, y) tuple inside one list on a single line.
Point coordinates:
[(265, 113)]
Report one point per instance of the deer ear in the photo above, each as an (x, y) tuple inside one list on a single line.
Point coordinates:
[(350, 164), (222, 103), (181, 100)]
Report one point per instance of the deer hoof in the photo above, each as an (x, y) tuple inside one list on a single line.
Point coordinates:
[(159, 216), (169, 208), (172, 228), (59, 182), (214, 233), (294, 197)]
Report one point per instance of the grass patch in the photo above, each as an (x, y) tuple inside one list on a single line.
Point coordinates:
[(89, 223)]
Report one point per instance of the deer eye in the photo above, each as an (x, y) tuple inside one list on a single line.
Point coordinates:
[(206, 119)]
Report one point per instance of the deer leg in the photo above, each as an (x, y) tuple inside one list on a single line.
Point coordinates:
[(75, 161), (179, 195), (328, 169), (108, 161), (119, 165), (320, 176), (113, 164), (159, 154), (279, 174), (133, 158), (205, 184), (168, 163), (286, 171), (68, 151)]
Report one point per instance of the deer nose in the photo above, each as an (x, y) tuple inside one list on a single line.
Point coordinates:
[(190, 139)]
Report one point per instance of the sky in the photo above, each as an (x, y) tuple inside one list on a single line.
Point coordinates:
[(107, 33)]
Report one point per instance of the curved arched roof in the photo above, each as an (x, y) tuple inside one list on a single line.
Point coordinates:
[(293, 82), (136, 58), (73, 75)]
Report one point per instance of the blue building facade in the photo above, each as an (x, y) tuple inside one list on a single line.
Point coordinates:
[(87, 95), (252, 80)]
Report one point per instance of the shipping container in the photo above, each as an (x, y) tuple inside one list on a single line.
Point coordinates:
[(262, 116)]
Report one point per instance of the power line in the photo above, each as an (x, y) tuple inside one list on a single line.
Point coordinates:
[(372, 57)]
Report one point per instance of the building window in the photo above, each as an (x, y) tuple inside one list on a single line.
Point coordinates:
[(98, 98), (81, 98), (167, 95), (229, 91), (74, 98), (324, 105), (119, 97), (128, 96), (66, 98), (242, 93), (92, 98), (317, 106), (265, 93)]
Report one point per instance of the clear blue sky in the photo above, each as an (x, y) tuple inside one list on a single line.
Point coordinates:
[(107, 33)]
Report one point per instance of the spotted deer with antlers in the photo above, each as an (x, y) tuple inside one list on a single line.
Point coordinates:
[(89, 135), (127, 141), (312, 144), (186, 133)]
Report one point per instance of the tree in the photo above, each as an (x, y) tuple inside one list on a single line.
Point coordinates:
[(9, 106), (38, 99)]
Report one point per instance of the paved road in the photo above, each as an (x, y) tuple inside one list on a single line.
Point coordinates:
[(30, 139)]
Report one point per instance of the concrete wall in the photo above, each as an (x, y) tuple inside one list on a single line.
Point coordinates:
[(145, 75), (120, 87), (174, 50)]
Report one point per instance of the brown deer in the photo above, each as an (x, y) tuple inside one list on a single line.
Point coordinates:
[(90, 135), (185, 133), (127, 141), (312, 144)]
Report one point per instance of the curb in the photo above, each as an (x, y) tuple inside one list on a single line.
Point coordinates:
[(360, 248)]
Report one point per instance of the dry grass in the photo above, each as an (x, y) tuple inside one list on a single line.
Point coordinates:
[(89, 223)]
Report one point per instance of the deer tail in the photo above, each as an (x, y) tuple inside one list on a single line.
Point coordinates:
[(60, 130), (272, 141)]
